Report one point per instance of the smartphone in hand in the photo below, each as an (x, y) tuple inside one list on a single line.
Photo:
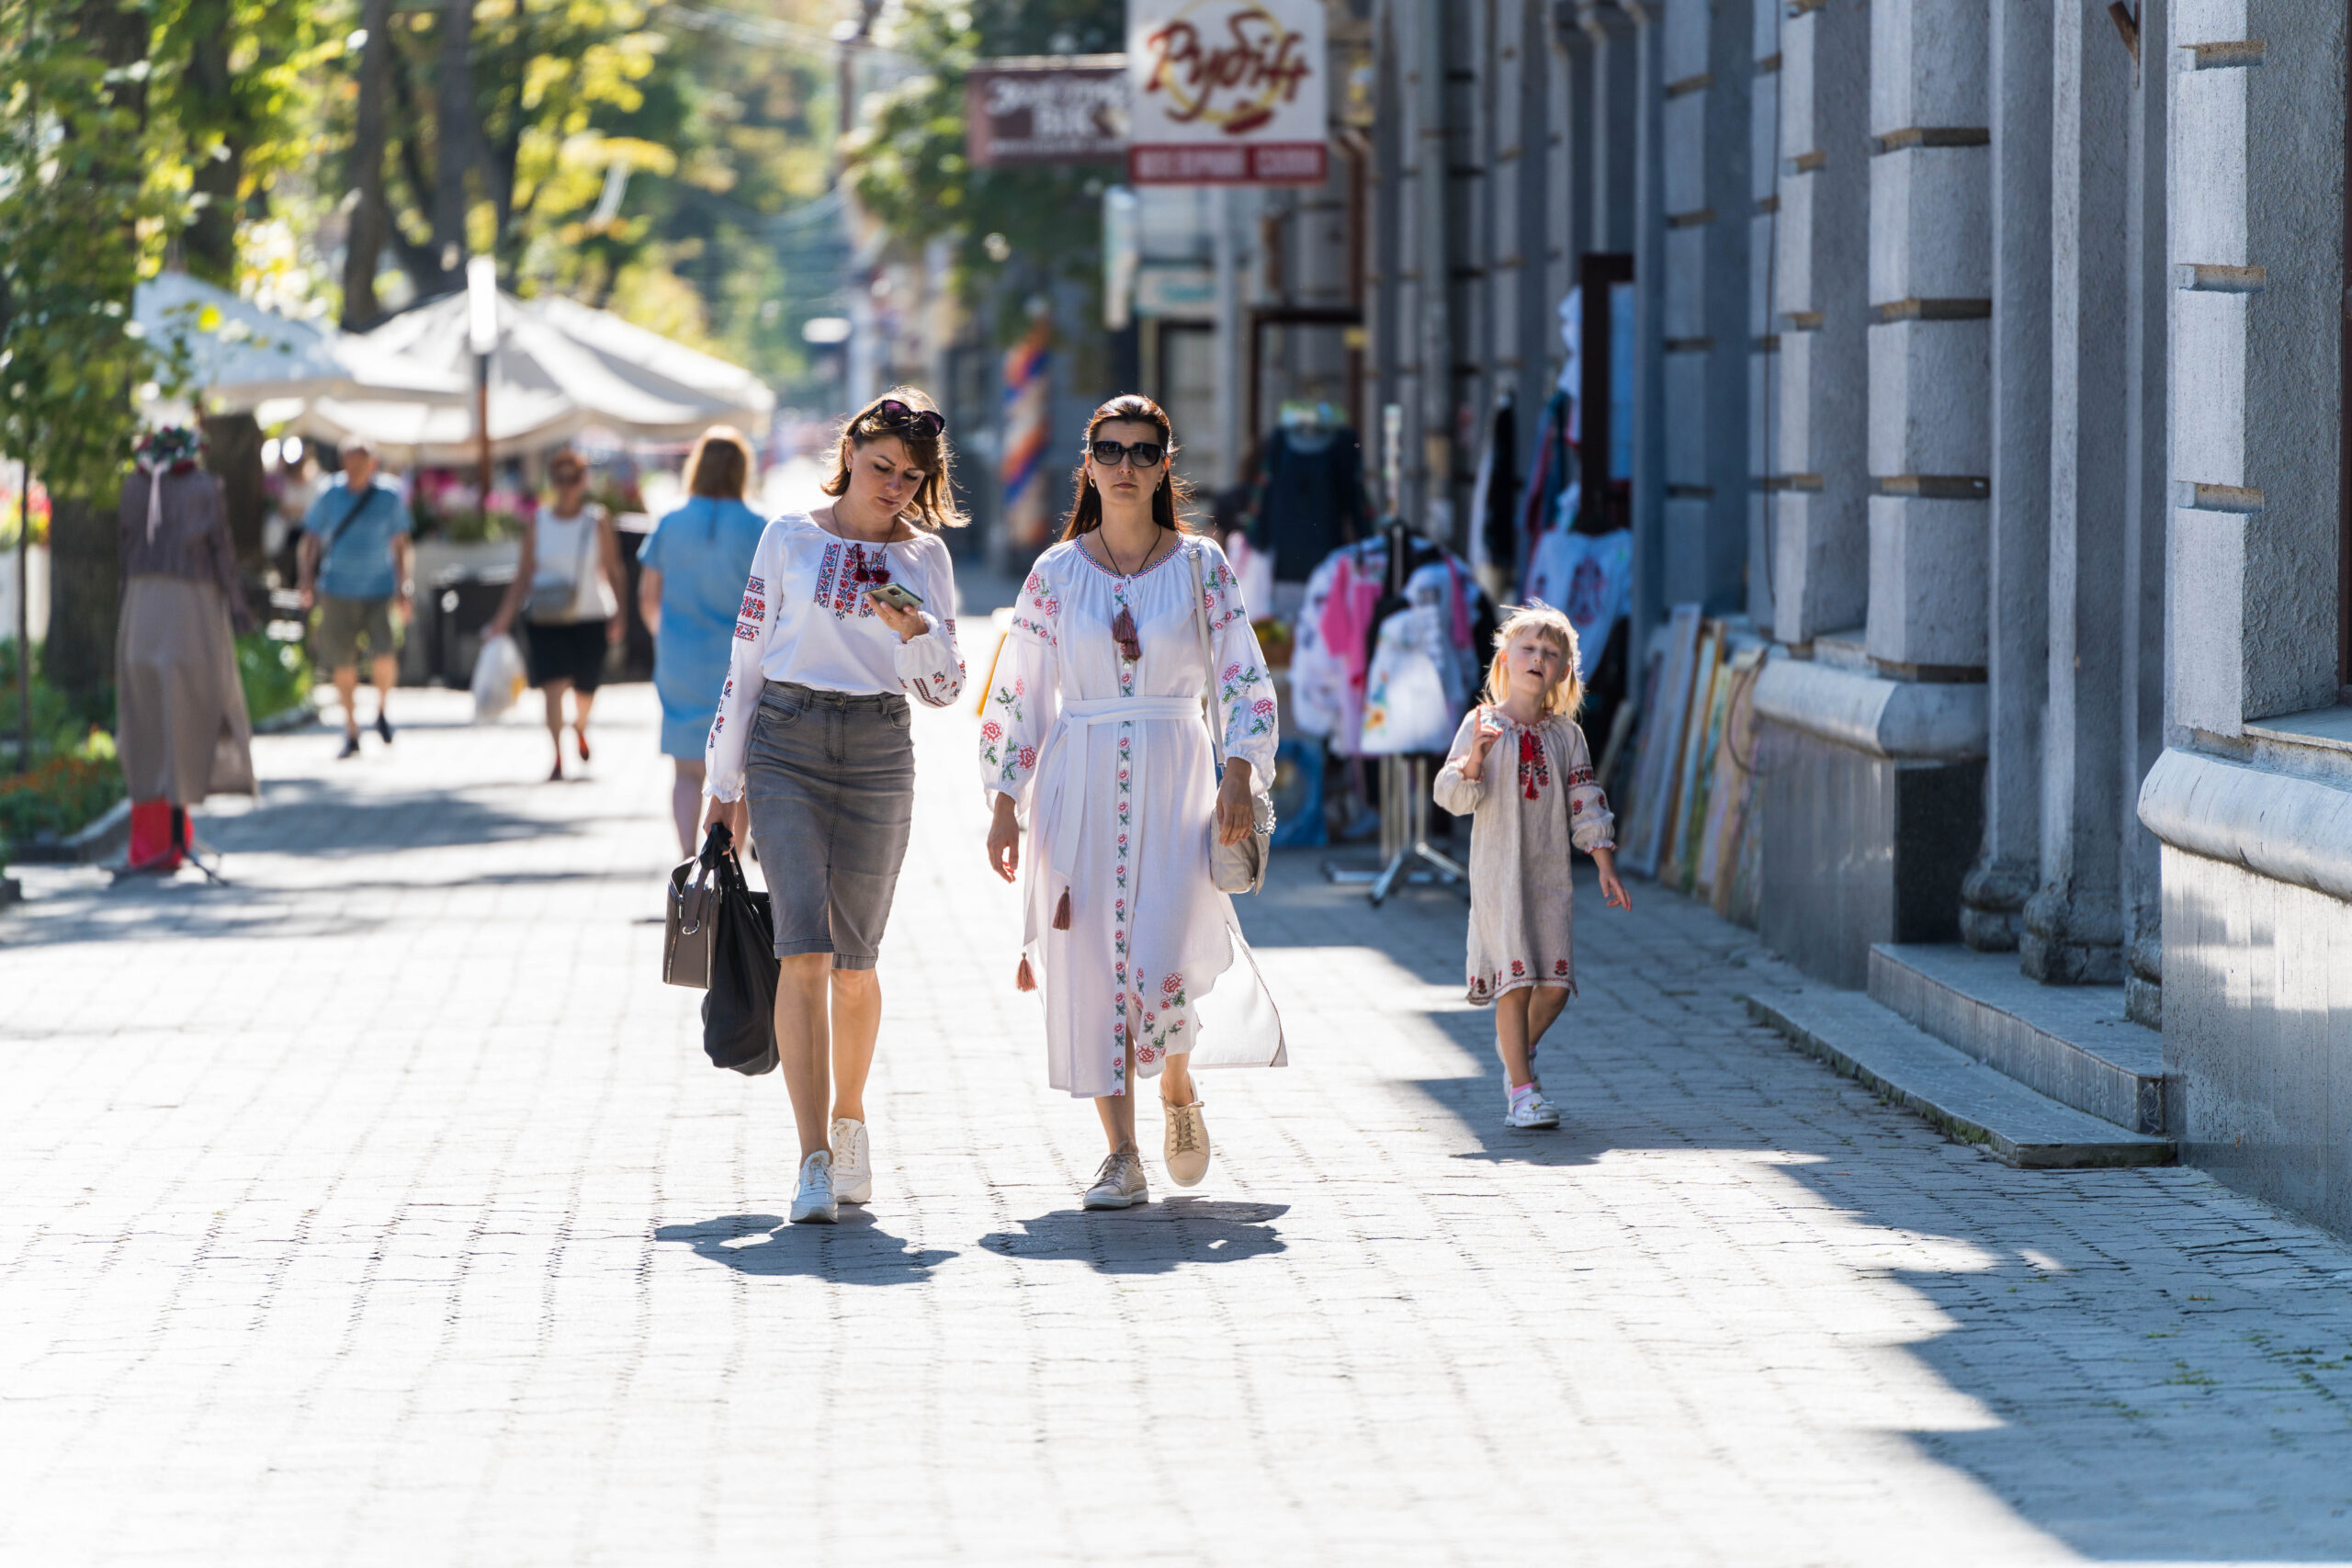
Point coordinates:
[(897, 595)]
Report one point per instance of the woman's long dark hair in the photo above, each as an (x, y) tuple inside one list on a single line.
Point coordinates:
[(1167, 501)]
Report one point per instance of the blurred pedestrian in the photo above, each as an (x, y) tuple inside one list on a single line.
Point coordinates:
[(690, 587), (354, 566), (181, 726), (567, 589), (848, 609), (1093, 736)]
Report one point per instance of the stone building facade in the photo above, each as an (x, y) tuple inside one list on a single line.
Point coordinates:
[(1989, 361)]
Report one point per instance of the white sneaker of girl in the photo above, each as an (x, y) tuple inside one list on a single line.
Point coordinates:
[(1527, 1108), (852, 1162)]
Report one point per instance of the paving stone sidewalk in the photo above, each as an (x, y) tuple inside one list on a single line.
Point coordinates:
[(380, 1208)]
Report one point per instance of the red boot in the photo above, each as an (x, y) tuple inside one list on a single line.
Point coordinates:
[(157, 840)]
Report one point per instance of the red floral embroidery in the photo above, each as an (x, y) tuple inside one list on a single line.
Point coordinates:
[(1535, 771)]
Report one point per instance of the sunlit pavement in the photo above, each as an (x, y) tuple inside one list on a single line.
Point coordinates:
[(381, 1207)]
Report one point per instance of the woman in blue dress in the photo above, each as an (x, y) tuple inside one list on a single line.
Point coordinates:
[(695, 564)]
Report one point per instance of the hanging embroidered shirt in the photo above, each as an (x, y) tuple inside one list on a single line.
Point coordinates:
[(1589, 577)]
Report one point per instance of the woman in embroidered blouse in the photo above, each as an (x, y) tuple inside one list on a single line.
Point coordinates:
[(812, 728), (1093, 734)]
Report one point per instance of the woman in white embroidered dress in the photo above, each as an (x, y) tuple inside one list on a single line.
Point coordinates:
[(812, 728), (1093, 734)]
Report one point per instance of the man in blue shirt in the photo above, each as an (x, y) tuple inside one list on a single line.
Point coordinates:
[(354, 560)]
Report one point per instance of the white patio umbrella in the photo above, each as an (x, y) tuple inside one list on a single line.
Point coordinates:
[(560, 368), (240, 355)]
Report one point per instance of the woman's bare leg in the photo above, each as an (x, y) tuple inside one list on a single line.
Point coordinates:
[(803, 1052), (1176, 1081), (857, 1020), (552, 694), (1118, 1111), (580, 703), (685, 800)]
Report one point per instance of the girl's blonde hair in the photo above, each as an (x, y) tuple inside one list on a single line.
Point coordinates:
[(1566, 696)]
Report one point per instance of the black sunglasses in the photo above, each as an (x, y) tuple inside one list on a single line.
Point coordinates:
[(892, 414), (1146, 453)]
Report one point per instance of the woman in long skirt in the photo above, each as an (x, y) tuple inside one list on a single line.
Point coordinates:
[(1095, 734), (182, 729)]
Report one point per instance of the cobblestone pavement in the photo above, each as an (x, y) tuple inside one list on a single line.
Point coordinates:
[(380, 1209)]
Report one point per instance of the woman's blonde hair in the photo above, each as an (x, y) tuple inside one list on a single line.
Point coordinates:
[(934, 506), (1566, 696), (720, 463)]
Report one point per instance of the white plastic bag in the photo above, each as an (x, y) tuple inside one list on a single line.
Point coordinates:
[(499, 678)]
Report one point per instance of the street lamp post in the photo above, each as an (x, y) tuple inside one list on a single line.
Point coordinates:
[(481, 336)]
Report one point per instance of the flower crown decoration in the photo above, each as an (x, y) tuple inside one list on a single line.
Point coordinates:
[(172, 447)]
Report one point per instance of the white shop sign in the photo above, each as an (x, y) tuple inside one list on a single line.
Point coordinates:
[(1176, 291), (1226, 92)]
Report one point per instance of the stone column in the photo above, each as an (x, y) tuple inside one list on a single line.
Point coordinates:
[(2147, 508), (2074, 931), (1611, 104), (2008, 866), (1930, 280), (1705, 59), (1821, 547), (1762, 333)]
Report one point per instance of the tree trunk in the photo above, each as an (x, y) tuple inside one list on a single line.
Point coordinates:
[(85, 596), (454, 141), (232, 454), (210, 244), (371, 218)]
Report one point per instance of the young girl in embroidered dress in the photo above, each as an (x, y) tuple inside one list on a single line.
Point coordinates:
[(1093, 734), (1527, 817)]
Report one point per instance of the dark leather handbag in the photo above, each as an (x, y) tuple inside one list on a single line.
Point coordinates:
[(721, 939)]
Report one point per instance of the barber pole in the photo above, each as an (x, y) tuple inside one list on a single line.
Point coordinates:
[(1028, 381)]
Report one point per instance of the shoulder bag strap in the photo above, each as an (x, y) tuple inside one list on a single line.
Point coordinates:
[(349, 512), (1208, 657)]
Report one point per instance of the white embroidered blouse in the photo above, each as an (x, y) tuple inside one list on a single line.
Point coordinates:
[(804, 618)]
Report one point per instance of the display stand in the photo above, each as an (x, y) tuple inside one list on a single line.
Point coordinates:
[(1405, 853)]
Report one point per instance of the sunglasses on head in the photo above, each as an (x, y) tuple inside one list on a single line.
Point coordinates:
[(1146, 454), (892, 414)]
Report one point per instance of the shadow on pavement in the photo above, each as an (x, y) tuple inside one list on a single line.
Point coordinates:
[(1153, 1239), (857, 1251), (312, 816)]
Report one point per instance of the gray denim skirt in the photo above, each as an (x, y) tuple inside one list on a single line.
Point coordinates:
[(830, 778)]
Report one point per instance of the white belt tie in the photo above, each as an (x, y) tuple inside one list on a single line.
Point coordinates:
[(1076, 719)]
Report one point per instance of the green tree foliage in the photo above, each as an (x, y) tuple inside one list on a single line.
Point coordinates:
[(1017, 227)]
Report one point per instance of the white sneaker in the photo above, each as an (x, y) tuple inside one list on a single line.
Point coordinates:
[(1119, 1184), (852, 1162), (1532, 1110), (813, 1204)]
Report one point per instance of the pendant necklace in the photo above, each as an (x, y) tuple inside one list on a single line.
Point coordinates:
[(1123, 629)]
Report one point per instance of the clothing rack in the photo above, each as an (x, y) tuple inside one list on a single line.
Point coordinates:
[(1406, 852)]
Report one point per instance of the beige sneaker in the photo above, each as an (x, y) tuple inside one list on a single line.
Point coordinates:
[(1119, 1184), (1188, 1144)]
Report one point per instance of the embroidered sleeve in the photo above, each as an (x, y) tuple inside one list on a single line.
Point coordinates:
[(722, 755), (1456, 794), (1591, 826), (1023, 697), (932, 665), (1245, 692)]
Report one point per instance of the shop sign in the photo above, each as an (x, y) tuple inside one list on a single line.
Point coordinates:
[(1226, 92), (1045, 110), (1176, 291)]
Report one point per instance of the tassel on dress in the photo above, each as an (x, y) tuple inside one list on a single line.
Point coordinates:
[(1023, 979), (1061, 912)]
